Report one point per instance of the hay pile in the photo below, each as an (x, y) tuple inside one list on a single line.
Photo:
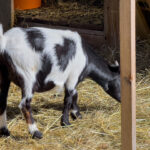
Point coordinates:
[(100, 127)]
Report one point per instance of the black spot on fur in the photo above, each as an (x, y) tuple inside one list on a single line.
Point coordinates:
[(42, 74), (65, 53), (13, 75), (46, 68), (35, 38), (4, 86)]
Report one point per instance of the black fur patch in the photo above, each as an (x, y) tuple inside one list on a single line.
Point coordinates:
[(7, 73), (42, 74), (13, 75), (65, 53), (46, 68), (4, 86), (4, 132), (35, 38)]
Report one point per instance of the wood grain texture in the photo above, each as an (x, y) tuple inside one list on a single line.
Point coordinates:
[(128, 73), (111, 23)]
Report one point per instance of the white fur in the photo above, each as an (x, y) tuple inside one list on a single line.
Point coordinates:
[(3, 120), (25, 59), (21, 103), (2, 39), (74, 67), (116, 63), (32, 128), (74, 112), (28, 62)]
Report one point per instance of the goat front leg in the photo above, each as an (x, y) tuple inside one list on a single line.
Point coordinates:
[(4, 87), (27, 112), (75, 111), (67, 107)]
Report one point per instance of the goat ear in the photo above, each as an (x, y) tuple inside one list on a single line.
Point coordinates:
[(116, 63), (115, 67)]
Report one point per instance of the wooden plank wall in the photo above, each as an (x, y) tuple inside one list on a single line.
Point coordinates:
[(142, 27), (128, 74), (6, 13), (94, 38), (111, 23)]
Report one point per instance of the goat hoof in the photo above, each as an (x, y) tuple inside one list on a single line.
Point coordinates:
[(37, 134), (4, 132), (76, 116), (64, 123)]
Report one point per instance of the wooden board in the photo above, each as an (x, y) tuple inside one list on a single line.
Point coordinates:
[(6, 13), (128, 74), (148, 2), (111, 23)]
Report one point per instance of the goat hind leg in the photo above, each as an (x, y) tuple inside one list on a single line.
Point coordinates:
[(27, 112)]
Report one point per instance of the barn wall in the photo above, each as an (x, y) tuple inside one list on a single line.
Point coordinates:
[(111, 23), (6, 13)]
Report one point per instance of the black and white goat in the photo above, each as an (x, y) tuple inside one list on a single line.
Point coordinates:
[(38, 59)]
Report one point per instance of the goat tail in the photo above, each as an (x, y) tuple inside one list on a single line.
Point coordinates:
[(1, 39)]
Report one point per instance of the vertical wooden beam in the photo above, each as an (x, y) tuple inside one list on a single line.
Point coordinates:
[(7, 13), (128, 73), (111, 23)]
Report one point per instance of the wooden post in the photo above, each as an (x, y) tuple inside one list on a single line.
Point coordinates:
[(7, 13), (111, 23), (128, 73)]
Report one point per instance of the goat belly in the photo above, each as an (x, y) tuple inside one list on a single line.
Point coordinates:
[(42, 87)]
